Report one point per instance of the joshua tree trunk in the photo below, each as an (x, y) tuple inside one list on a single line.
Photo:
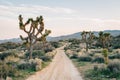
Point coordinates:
[(31, 50), (86, 47), (106, 60)]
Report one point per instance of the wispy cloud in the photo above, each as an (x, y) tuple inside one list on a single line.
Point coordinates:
[(32, 10), (60, 20)]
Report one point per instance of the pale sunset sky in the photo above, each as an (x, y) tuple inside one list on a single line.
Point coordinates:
[(61, 16)]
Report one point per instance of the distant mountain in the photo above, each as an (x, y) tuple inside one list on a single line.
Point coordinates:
[(16, 40), (78, 35), (65, 37)]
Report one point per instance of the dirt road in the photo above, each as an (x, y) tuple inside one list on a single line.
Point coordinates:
[(61, 68)]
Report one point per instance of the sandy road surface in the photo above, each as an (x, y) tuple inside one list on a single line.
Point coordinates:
[(61, 68)]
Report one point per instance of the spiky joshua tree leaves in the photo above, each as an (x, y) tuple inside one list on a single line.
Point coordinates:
[(34, 32)]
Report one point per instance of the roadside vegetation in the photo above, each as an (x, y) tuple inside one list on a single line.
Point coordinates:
[(16, 65), (101, 59)]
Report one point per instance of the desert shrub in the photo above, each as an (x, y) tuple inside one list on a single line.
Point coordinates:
[(55, 44), (39, 54), (2, 49), (114, 66), (48, 49), (66, 48), (102, 69), (110, 49), (91, 54), (114, 56), (78, 50), (27, 66), (37, 62), (116, 42), (98, 59), (10, 59), (7, 70), (51, 54), (36, 54), (74, 56), (9, 45), (112, 70), (116, 46), (46, 58), (6, 54), (85, 58), (32, 64)]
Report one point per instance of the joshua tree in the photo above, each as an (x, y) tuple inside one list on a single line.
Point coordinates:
[(91, 38), (104, 39), (34, 32), (87, 37)]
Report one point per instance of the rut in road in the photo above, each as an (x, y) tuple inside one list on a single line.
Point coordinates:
[(61, 68)]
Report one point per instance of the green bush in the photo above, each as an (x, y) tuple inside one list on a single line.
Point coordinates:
[(55, 44), (5, 54), (2, 49), (7, 70), (10, 45), (32, 64), (74, 56), (114, 66), (23, 66), (36, 54), (114, 56), (46, 58), (91, 54), (48, 49), (27, 65), (98, 59), (112, 70), (85, 58)]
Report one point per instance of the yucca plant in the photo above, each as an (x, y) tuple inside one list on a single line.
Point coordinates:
[(105, 54)]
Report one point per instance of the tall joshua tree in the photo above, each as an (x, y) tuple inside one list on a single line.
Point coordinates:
[(87, 37), (34, 32), (104, 39), (91, 38)]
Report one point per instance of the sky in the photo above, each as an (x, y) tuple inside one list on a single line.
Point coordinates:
[(62, 17)]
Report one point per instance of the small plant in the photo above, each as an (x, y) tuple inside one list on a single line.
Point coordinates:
[(46, 58), (5, 54), (32, 64), (7, 70), (114, 56), (98, 59), (114, 66), (36, 54), (85, 58), (105, 54), (74, 56), (37, 62)]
